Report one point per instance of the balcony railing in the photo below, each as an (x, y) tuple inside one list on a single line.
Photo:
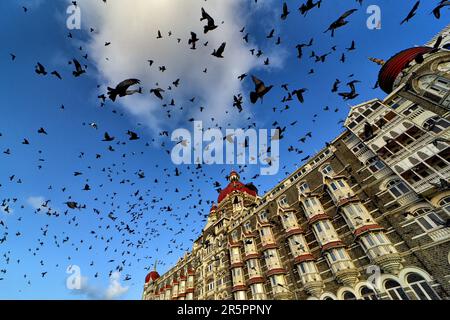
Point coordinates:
[(440, 234), (424, 185)]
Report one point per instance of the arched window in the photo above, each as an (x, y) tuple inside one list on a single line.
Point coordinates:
[(348, 296), (327, 298), (397, 188), (421, 287), (445, 204), (395, 290), (368, 294)]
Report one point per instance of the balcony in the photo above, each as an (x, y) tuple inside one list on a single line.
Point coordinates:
[(407, 198), (440, 234), (408, 150), (386, 171), (424, 185)]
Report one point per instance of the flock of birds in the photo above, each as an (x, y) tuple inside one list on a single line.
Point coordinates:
[(125, 231)]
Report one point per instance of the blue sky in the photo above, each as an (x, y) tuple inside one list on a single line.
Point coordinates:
[(38, 242)]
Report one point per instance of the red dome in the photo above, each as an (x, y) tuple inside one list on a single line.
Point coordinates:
[(395, 65), (235, 186), (152, 276)]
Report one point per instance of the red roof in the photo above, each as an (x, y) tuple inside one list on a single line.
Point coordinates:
[(395, 65), (153, 275), (235, 186)]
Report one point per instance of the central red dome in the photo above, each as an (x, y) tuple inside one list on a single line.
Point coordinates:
[(235, 186), (395, 65), (152, 276)]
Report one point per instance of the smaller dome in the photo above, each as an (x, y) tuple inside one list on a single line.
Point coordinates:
[(213, 208), (152, 276)]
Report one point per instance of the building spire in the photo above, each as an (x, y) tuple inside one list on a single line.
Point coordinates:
[(380, 62), (155, 265)]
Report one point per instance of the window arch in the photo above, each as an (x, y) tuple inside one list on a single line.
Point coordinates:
[(368, 294), (347, 295), (395, 290), (421, 288)]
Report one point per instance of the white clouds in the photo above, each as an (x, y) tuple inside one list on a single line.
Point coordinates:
[(132, 29), (114, 290)]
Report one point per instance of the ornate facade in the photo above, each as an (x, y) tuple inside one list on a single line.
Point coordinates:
[(367, 218)]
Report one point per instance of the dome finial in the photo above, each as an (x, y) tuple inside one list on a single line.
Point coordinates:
[(380, 62), (155, 265), (234, 176)]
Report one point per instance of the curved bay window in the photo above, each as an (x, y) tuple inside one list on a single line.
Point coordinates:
[(339, 190), (235, 255), (421, 288), (312, 206), (357, 215), (249, 246), (338, 260), (272, 259), (324, 232), (240, 295), (237, 275), (298, 245), (395, 290), (289, 221), (308, 272), (253, 268), (266, 236), (258, 291)]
